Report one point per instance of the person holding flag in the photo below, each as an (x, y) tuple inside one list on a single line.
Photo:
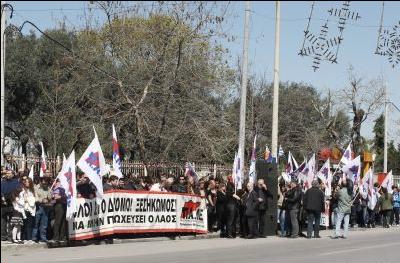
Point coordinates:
[(344, 197), (385, 206), (93, 164), (115, 155), (67, 178)]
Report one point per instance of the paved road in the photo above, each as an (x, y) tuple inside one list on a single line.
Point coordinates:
[(370, 246)]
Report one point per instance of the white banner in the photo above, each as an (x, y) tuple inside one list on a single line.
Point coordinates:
[(135, 212), (325, 215)]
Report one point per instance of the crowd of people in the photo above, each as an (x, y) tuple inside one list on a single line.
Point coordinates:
[(34, 210)]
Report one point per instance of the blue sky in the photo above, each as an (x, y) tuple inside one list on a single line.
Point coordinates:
[(357, 48)]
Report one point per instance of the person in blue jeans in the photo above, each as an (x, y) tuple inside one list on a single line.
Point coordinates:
[(396, 204), (43, 197), (344, 197)]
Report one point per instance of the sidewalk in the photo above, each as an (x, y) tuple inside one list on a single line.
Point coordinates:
[(9, 246)]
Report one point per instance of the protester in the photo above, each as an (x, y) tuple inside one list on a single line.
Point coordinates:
[(180, 186), (9, 184), (364, 210), (111, 184), (252, 202), (232, 204), (220, 209), (344, 197), (211, 196), (84, 187), (396, 204), (385, 206), (43, 198), (282, 207), (264, 194), (28, 196), (158, 186), (293, 199), (59, 202), (314, 204), (18, 215)]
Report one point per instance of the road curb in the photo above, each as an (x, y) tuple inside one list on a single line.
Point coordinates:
[(7, 246)]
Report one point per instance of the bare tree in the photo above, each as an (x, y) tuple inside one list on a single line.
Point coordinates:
[(364, 99)]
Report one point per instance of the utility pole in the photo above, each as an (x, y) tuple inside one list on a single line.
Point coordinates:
[(385, 155), (243, 92), (3, 59), (275, 108)]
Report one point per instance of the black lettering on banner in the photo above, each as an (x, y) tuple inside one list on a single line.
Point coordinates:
[(138, 204), (110, 206), (117, 219), (199, 214), (87, 209), (77, 225), (103, 206), (151, 218), (80, 211), (173, 208), (123, 219), (129, 204), (123, 204), (173, 218), (109, 220), (117, 203), (128, 219)]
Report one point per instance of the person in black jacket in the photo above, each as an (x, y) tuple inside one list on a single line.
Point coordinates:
[(264, 194), (220, 209), (314, 204), (231, 209), (251, 203), (293, 199)]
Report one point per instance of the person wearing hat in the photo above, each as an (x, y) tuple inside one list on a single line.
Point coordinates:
[(314, 204)]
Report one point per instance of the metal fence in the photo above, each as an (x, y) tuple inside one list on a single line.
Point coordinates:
[(396, 180), (127, 167)]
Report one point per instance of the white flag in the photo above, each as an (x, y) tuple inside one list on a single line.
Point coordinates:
[(116, 157), (234, 169), (93, 164), (346, 157), (238, 173), (308, 173), (296, 165), (252, 170), (353, 170), (43, 166), (67, 178), (31, 173), (365, 183), (326, 177), (388, 182)]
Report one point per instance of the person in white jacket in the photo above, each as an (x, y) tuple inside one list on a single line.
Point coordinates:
[(28, 196), (18, 216)]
